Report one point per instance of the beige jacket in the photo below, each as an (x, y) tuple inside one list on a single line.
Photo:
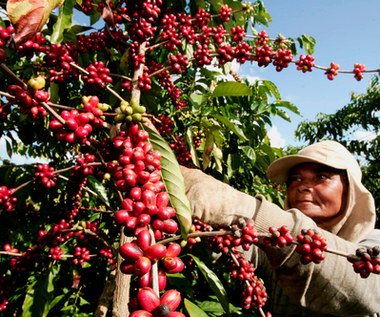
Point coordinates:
[(330, 288)]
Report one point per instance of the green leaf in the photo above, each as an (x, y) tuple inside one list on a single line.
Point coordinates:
[(94, 17), (39, 294), (214, 282), (64, 22), (283, 115), (54, 92), (198, 100), (98, 188), (232, 126), (218, 156), (307, 42), (9, 148), (211, 74), (190, 143), (288, 105), (173, 179), (249, 152), (208, 147), (193, 310), (231, 89), (272, 88)]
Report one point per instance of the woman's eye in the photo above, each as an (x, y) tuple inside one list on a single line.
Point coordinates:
[(293, 179)]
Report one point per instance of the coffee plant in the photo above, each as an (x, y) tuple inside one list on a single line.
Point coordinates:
[(109, 108)]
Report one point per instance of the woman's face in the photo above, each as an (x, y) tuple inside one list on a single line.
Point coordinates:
[(318, 191)]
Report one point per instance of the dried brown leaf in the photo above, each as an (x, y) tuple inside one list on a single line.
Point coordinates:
[(29, 16)]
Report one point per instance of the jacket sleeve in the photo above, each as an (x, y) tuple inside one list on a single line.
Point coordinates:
[(330, 287)]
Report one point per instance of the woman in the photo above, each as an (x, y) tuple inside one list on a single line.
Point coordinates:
[(324, 193)]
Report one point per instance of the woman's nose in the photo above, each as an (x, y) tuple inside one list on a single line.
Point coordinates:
[(305, 186)]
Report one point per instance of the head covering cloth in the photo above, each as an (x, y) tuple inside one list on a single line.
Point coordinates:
[(359, 217)]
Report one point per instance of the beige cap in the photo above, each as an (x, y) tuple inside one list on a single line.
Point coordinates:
[(330, 153)]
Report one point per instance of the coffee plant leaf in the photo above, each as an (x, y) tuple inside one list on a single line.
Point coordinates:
[(214, 282), (63, 23), (173, 179), (98, 188), (233, 126), (193, 310), (39, 294), (190, 142), (29, 16), (231, 89), (307, 42)]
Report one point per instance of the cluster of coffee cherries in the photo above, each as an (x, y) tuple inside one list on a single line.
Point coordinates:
[(78, 124), (332, 71), (81, 255), (98, 76), (144, 80), (279, 237), (7, 201), (366, 261), (130, 112), (305, 63), (358, 71), (140, 253), (4, 304), (45, 175), (83, 166), (178, 62), (311, 246), (29, 101), (181, 150), (56, 253), (244, 238), (164, 124), (282, 59), (254, 295), (147, 303), (5, 34)]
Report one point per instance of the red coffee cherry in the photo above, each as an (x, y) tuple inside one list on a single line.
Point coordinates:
[(156, 252), (130, 251), (148, 299), (311, 246), (142, 266), (172, 298)]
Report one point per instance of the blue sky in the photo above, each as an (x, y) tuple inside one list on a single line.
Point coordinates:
[(346, 32)]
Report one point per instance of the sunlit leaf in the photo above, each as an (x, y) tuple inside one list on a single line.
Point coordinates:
[(173, 179), (29, 16), (232, 126), (250, 153), (98, 188), (307, 42), (63, 23), (272, 88), (231, 88), (214, 282), (288, 105)]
